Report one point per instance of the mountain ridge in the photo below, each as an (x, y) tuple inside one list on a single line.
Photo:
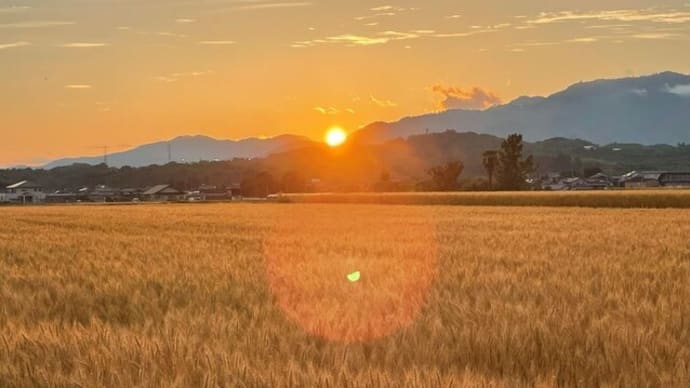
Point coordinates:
[(190, 148), (652, 109)]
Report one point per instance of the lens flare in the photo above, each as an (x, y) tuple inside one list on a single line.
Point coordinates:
[(312, 269), (354, 277)]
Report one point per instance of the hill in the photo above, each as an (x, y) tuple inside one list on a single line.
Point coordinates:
[(356, 165), (191, 149)]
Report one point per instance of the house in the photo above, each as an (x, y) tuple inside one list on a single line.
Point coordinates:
[(598, 181), (24, 192), (675, 179), (641, 179), (103, 193), (163, 193), (62, 197), (213, 193)]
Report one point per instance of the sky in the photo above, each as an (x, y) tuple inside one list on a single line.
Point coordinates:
[(78, 75)]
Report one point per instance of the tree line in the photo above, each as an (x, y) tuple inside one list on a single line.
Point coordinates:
[(506, 168)]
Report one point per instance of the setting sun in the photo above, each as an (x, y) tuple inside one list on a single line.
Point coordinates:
[(335, 137)]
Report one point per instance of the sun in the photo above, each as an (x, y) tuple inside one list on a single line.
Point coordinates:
[(335, 137)]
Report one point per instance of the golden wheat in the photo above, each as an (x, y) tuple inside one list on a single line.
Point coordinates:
[(657, 198), (258, 295)]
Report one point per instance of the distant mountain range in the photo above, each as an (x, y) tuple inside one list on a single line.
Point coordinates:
[(647, 110), (192, 149), (356, 165), (652, 109)]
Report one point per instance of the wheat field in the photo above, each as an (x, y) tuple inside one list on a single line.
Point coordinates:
[(258, 295), (658, 198)]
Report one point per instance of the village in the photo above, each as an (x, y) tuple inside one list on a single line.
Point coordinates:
[(27, 192)]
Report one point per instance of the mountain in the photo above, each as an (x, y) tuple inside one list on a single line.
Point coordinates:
[(356, 166), (652, 109), (191, 149)]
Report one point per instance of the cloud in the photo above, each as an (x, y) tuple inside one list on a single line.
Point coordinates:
[(329, 110), (185, 21), (273, 5), (14, 9), (355, 40), (458, 98), (170, 34), (326, 110), (384, 37), (622, 15), (174, 77), (583, 40), (15, 44), (656, 35), (217, 42), (84, 45), (78, 86), (358, 40), (384, 11), (383, 103), (680, 90), (36, 24)]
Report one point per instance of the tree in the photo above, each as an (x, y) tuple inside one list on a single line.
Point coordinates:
[(293, 182), (513, 169), (445, 178), (490, 161), (258, 185)]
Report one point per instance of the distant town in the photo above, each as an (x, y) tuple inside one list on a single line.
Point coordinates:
[(27, 192)]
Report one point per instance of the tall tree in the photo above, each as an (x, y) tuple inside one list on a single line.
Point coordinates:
[(513, 169), (445, 178), (490, 161)]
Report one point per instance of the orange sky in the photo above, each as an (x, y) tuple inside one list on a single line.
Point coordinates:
[(77, 75)]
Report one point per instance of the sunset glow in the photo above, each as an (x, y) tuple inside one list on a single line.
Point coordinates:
[(335, 137), (131, 72)]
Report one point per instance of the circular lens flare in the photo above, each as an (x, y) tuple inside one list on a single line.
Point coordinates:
[(347, 283), (335, 137)]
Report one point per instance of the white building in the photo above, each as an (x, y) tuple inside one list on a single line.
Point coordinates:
[(23, 192)]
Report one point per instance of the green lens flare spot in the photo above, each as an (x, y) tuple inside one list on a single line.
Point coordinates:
[(354, 277)]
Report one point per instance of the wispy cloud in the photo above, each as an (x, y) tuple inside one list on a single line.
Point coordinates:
[(84, 45), (623, 15), (36, 24), (78, 86), (328, 110), (217, 42), (170, 34), (459, 98), (656, 35), (174, 77), (272, 5), (185, 20), (383, 103), (14, 9), (355, 40), (384, 11), (13, 45)]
